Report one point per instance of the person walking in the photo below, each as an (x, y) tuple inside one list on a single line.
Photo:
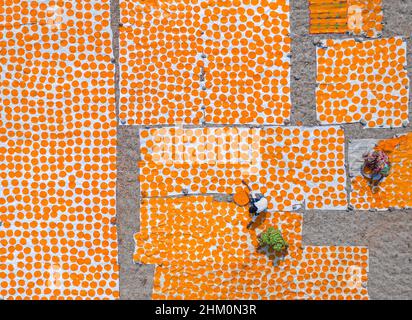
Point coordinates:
[(258, 204)]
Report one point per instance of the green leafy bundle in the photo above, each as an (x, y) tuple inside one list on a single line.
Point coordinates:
[(272, 238)]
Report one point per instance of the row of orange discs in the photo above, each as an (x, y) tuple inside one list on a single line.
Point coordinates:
[(203, 250), (292, 166), (363, 81), (57, 151), (195, 61)]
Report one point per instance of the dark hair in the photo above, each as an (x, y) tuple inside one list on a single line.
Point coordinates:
[(253, 209)]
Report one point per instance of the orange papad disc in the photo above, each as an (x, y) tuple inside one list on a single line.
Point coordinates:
[(241, 198)]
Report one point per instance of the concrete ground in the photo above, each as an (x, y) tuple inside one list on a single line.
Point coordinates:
[(387, 234)]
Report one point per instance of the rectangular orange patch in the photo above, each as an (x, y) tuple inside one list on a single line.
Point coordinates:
[(328, 16), (358, 17)]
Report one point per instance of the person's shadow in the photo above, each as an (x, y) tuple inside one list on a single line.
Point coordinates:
[(269, 252), (259, 221), (372, 184)]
